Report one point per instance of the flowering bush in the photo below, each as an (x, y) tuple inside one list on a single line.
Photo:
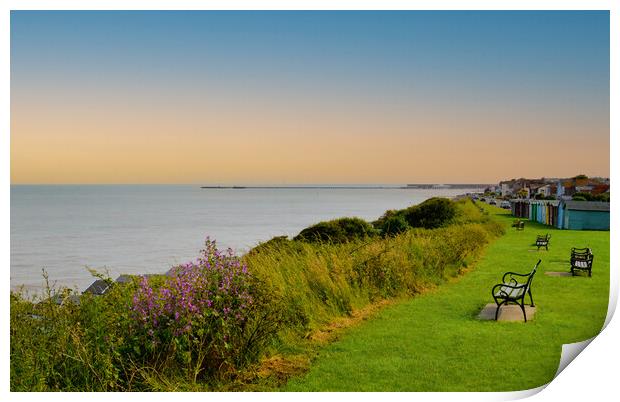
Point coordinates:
[(198, 311)]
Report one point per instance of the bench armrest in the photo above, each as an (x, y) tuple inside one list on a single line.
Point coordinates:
[(512, 274)]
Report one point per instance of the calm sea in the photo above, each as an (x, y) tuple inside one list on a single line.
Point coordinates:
[(149, 228)]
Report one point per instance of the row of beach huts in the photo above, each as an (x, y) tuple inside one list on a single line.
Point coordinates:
[(564, 214)]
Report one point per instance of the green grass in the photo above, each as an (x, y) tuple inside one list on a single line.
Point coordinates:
[(434, 342)]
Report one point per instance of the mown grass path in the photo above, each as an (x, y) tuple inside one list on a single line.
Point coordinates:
[(435, 343)]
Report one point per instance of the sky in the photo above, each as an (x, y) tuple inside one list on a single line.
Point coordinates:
[(308, 97)]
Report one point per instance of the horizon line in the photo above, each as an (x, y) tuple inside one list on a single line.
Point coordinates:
[(267, 185)]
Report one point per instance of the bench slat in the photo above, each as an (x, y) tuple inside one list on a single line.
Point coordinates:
[(511, 292)]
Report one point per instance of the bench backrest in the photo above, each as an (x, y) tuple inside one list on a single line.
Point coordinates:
[(580, 251), (531, 276), (584, 254)]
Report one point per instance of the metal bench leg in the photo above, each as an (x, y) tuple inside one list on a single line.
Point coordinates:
[(522, 305), (497, 310), (529, 292)]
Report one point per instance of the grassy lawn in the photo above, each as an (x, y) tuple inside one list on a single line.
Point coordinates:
[(435, 343)]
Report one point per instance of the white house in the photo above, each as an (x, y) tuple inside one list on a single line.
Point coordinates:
[(544, 190)]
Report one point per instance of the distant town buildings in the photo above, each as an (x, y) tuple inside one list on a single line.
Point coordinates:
[(577, 203), (548, 188)]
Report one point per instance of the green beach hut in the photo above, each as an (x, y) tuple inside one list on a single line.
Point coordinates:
[(585, 215)]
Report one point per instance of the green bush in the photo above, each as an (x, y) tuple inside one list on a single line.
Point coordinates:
[(431, 214), (379, 224), (394, 225), (583, 196), (337, 231), (273, 243)]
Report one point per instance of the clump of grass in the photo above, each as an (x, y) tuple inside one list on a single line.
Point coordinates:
[(321, 281), (58, 344)]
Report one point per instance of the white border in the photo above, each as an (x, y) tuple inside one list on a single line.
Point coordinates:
[(309, 5), (592, 376)]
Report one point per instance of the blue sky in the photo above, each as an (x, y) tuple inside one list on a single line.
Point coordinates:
[(486, 72)]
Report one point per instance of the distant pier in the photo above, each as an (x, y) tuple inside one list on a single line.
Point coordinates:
[(395, 187)]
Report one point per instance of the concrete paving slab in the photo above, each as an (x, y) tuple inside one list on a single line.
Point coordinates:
[(558, 274), (510, 312)]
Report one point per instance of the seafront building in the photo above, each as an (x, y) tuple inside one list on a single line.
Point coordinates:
[(550, 201), (553, 187)]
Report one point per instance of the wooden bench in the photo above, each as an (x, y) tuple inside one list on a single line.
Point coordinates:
[(513, 289), (543, 241), (581, 260), (518, 224)]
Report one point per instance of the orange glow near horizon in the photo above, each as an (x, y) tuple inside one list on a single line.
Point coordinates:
[(282, 145)]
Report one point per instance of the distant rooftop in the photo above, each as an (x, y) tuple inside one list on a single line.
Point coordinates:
[(98, 287)]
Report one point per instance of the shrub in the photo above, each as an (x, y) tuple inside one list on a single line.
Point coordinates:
[(355, 228), (394, 225), (201, 309), (432, 213), (337, 231), (273, 243), (583, 196), (390, 213)]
